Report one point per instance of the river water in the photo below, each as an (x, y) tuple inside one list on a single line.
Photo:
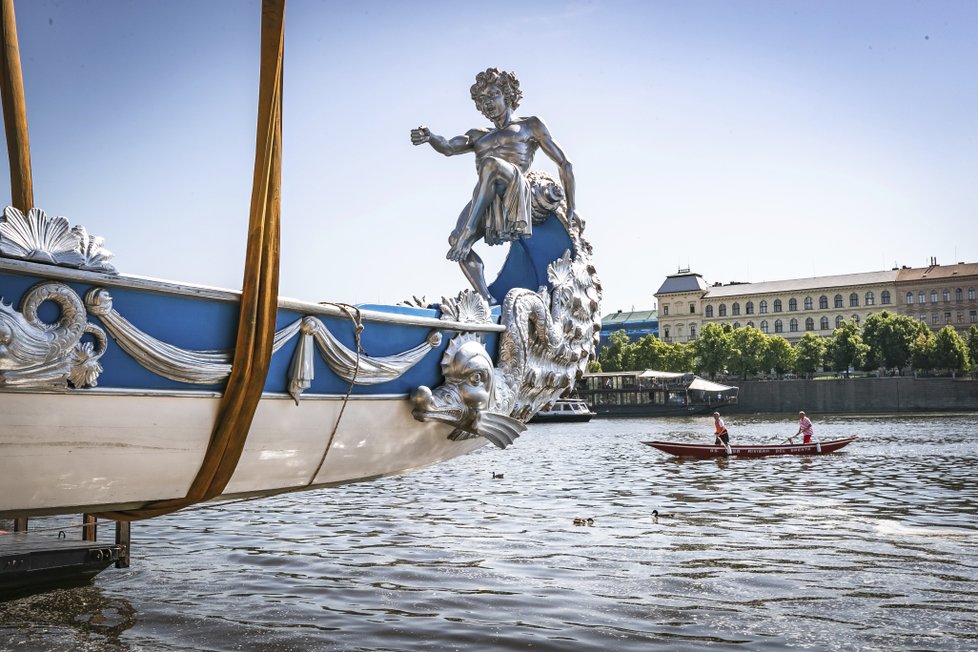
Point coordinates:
[(872, 548)]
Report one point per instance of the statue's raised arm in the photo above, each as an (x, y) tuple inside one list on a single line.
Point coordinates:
[(442, 145)]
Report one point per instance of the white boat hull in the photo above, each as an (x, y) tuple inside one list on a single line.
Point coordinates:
[(107, 451)]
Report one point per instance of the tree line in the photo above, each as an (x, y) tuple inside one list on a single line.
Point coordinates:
[(887, 342)]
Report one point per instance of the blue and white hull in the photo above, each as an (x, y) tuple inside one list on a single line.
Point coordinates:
[(110, 385)]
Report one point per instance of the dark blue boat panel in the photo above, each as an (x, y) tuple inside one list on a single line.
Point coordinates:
[(205, 324), (527, 261)]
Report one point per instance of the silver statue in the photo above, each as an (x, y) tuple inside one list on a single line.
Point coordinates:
[(500, 207)]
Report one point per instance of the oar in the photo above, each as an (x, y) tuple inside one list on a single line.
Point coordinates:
[(726, 446)]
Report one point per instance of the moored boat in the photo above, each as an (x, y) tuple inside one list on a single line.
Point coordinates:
[(132, 397), (683, 449), (564, 410)]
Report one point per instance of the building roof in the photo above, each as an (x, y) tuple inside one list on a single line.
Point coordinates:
[(937, 272), (626, 317), (802, 284), (682, 282)]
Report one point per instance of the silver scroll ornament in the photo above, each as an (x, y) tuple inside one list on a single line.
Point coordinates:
[(37, 354)]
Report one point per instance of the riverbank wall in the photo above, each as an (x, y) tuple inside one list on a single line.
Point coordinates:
[(889, 394)]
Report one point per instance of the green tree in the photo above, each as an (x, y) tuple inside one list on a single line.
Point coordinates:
[(889, 338), (594, 367), (950, 351), (680, 356), (713, 349), (845, 347), (613, 356), (779, 357), (810, 353), (973, 346), (748, 347), (922, 350), (648, 353)]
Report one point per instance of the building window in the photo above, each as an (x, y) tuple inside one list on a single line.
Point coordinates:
[(665, 312), (855, 319), (749, 308), (838, 321), (777, 304), (838, 301), (723, 310), (809, 324), (923, 317), (885, 297), (958, 295), (960, 317), (823, 302), (692, 331), (933, 296), (762, 306), (808, 303), (870, 299), (764, 326), (853, 300), (934, 319), (947, 318), (973, 316), (709, 311), (793, 326), (735, 309), (946, 295), (779, 327), (792, 305), (921, 298), (736, 324), (750, 324), (909, 298), (692, 308), (971, 294), (824, 323), (667, 332)]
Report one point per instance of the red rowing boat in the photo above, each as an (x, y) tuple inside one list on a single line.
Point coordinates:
[(749, 450)]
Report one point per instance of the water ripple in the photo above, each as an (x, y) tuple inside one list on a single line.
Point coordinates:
[(875, 547)]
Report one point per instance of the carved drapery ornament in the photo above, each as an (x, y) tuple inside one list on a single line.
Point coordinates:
[(37, 354)]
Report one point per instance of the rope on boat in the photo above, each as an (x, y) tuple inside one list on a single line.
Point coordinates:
[(259, 293), (357, 318)]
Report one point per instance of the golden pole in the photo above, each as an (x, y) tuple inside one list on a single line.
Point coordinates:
[(15, 112), (259, 292)]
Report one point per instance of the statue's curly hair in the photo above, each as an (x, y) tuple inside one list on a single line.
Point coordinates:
[(506, 81)]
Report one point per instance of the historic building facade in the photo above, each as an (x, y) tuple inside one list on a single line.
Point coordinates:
[(938, 295)]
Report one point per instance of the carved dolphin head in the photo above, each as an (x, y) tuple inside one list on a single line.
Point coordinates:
[(468, 367)]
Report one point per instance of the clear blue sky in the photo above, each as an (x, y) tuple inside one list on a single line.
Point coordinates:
[(748, 141)]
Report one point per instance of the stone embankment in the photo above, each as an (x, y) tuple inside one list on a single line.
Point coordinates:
[(890, 394)]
